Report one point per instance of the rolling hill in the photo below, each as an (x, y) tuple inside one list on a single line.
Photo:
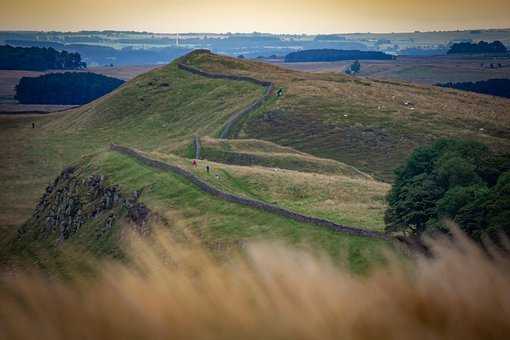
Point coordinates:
[(370, 124), (315, 149)]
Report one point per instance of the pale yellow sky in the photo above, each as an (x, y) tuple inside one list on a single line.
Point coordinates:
[(279, 16)]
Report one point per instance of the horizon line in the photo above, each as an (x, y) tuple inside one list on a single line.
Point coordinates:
[(256, 32)]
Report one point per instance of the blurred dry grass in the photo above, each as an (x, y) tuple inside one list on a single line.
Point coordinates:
[(175, 290)]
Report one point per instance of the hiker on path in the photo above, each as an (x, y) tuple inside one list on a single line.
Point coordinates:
[(194, 163), (33, 125), (208, 169)]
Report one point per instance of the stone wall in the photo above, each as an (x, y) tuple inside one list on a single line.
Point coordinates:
[(197, 146), (204, 186)]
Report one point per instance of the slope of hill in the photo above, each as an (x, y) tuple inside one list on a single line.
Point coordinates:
[(347, 198), (157, 110), (372, 125), (249, 152), (176, 203)]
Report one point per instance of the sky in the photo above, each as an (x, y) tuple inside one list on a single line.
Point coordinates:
[(275, 16)]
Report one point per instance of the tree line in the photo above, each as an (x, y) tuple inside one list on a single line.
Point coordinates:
[(69, 88), (456, 180), (481, 47), (38, 59), (493, 87), (334, 55)]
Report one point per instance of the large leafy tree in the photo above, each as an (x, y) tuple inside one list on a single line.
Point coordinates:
[(459, 180)]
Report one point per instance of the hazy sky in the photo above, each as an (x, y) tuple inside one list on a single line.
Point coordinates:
[(285, 16)]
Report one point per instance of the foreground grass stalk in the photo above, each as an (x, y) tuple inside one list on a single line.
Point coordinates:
[(174, 290)]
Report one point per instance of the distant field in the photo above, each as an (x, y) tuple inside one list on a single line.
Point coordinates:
[(9, 80), (422, 70)]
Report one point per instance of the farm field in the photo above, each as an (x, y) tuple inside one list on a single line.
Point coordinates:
[(420, 70)]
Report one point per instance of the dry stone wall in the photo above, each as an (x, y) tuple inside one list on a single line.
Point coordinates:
[(204, 186)]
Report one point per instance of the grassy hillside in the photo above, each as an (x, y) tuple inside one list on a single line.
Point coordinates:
[(248, 152), (372, 125), (159, 110), (185, 209), (349, 200)]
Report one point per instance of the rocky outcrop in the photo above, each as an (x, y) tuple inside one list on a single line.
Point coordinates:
[(72, 201)]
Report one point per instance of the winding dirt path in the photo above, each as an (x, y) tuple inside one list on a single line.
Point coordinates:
[(236, 116)]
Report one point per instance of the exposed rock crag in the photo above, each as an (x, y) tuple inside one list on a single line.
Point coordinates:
[(72, 200)]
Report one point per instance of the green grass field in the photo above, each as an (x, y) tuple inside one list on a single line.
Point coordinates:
[(220, 225), (156, 111), (346, 199)]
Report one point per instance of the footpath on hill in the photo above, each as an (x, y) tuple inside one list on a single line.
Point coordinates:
[(225, 134), (236, 116)]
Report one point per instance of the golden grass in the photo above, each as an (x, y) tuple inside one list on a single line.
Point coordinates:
[(173, 290), (274, 153), (250, 145), (373, 125), (344, 199), (366, 92)]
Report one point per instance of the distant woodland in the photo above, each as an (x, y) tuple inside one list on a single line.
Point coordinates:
[(70, 88), (481, 48), (494, 87), (38, 59), (334, 55), (96, 55)]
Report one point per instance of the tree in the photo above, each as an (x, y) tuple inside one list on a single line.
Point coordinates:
[(355, 67), (481, 47), (335, 55), (494, 87), (458, 180), (38, 59)]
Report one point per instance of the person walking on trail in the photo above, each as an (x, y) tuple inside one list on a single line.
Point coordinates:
[(194, 163), (33, 125), (208, 169)]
